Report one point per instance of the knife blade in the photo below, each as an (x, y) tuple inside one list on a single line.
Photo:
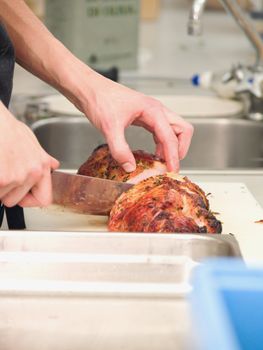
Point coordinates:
[(86, 194)]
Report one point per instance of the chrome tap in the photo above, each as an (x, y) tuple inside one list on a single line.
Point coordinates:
[(195, 24), (249, 79)]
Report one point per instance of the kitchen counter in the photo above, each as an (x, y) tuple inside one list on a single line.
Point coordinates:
[(250, 238), (251, 243), (253, 179)]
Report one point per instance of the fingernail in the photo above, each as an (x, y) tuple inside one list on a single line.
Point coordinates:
[(128, 167)]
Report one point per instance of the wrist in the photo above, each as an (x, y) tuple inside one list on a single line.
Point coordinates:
[(77, 82), (5, 114)]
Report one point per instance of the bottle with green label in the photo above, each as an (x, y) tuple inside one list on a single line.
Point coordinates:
[(102, 33)]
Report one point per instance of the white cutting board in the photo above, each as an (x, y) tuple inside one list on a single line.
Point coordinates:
[(237, 208)]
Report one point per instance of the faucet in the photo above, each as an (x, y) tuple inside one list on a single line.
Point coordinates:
[(195, 24), (249, 79)]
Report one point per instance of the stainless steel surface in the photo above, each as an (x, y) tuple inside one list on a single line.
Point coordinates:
[(226, 144), (85, 194), (194, 246), (217, 143), (114, 291), (195, 25)]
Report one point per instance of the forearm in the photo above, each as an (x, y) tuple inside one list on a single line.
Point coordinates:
[(37, 50), (111, 107)]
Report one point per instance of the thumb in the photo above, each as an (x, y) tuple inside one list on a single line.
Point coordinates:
[(54, 163), (120, 150)]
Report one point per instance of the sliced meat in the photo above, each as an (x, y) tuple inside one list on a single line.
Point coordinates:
[(101, 164), (164, 203), (159, 202)]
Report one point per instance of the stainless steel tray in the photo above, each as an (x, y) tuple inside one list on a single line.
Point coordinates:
[(97, 291), (195, 246)]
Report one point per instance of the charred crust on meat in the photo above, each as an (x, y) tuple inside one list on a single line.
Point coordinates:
[(103, 145), (164, 203), (101, 164), (157, 205)]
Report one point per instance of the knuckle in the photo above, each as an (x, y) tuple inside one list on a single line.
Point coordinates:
[(45, 163), (9, 202), (190, 128), (4, 181), (46, 200), (151, 105), (19, 180), (156, 104), (36, 173), (166, 134), (55, 163)]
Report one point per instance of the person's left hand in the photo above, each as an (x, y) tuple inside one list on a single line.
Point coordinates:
[(112, 107)]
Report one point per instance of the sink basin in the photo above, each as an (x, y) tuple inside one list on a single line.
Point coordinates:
[(218, 143)]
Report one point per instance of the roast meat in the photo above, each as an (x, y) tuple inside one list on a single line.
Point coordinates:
[(158, 202), (164, 203), (101, 164)]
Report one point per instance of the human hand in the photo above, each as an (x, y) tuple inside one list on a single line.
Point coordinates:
[(25, 167), (112, 107)]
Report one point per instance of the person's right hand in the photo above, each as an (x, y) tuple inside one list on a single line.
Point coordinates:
[(25, 168)]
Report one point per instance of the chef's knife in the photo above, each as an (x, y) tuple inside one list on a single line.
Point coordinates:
[(86, 194)]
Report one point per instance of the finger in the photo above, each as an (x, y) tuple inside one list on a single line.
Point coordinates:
[(164, 135), (19, 191), (5, 190), (14, 196), (183, 130), (8, 181), (29, 201), (42, 191), (184, 138), (158, 148), (54, 163), (159, 151), (169, 143), (120, 150)]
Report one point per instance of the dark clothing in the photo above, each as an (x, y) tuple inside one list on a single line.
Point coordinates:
[(15, 215), (7, 63)]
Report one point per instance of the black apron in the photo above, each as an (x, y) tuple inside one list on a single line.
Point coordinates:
[(15, 215)]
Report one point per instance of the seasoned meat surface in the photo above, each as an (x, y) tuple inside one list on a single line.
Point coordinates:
[(158, 202), (164, 203), (101, 164)]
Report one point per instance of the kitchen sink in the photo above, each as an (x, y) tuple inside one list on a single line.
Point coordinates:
[(218, 143)]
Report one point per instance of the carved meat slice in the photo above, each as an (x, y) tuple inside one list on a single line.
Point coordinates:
[(164, 203), (158, 202), (101, 164)]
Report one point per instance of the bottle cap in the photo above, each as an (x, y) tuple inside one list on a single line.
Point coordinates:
[(196, 80)]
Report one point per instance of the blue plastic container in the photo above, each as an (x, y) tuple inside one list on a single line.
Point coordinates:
[(227, 304)]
